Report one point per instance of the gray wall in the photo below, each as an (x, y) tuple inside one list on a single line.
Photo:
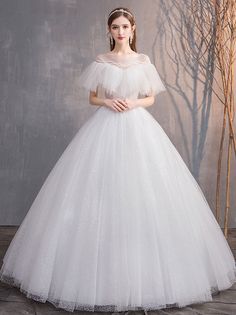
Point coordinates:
[(44, 44)]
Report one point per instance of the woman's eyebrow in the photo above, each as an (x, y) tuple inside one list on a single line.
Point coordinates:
[(118, 25)]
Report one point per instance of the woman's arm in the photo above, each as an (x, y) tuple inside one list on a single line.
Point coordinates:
[(131, 103), (144, 102), (94, 100)]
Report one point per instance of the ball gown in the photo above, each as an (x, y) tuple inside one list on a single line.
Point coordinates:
[(120, 223)]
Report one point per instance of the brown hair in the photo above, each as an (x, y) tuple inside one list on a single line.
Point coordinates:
[(132, 22)]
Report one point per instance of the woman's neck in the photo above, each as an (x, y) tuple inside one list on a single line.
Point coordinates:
[(122, 49)]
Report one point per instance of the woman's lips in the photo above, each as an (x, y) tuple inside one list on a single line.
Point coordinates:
[(120, 37)]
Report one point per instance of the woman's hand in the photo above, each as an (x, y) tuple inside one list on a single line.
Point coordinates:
[(116, 104), (130, 103), (119, 105)]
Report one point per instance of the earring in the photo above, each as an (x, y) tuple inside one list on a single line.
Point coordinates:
[(110, 39), (130, 39)]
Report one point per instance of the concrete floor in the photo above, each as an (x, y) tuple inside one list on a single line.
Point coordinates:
[(14, 302)]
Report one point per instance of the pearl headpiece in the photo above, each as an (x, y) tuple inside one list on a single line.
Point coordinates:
[(120, 10)]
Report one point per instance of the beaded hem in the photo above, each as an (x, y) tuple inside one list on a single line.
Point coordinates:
[(72, 306)]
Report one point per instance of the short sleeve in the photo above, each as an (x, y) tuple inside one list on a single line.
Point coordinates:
[(90, 76), (152, 83), (141, 77)]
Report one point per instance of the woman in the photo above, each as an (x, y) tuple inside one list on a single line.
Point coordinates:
[(120, 223)]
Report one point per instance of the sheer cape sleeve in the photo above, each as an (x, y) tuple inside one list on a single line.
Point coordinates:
[(152, 83), (122, 77)]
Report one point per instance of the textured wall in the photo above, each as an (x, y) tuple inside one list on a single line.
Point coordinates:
[(43, 45)]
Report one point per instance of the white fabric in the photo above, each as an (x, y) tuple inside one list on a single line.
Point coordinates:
[(122, 76), (120, 223)]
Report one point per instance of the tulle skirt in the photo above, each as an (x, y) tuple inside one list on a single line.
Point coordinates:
[(119, 224)]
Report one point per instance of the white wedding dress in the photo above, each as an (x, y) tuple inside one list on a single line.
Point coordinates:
[(120, 223)]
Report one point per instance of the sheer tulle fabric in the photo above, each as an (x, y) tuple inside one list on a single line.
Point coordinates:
[(119, 224), (122, 76)]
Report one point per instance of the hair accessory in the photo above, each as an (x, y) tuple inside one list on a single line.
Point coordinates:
[(120, 10)]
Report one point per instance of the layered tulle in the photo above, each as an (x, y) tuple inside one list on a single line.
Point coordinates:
[(131, 79), (119, 224)]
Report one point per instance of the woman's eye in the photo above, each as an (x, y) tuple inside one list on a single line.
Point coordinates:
[(114, 27)]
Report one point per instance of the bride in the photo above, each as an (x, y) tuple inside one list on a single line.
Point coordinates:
[(120, 223)]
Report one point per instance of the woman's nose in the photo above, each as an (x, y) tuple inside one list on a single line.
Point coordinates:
[(120, 31)]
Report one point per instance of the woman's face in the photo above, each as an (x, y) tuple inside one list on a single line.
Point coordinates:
[(121, 29)]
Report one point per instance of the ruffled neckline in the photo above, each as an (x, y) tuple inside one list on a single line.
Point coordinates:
[(123, 61), (123, 76)]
